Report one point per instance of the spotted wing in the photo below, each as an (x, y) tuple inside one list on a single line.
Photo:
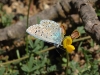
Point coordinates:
[(46, 31)]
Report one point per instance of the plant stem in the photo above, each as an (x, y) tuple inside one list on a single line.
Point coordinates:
[(67, 56), (80, 39), (26, 38), (42, 51)]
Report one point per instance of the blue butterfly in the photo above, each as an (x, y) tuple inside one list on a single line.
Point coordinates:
[(48, 31)]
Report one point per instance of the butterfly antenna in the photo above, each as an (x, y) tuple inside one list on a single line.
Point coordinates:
[(62, 48), (58, 52)]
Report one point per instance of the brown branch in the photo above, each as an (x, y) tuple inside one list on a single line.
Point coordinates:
[(18, 30), (89, 17)]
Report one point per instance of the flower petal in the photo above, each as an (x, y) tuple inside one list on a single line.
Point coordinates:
[(67, 41), (70, 48)]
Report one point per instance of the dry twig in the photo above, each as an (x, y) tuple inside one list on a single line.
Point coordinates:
[(89, 17)]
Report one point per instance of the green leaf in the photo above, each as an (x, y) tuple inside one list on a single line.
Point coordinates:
[(95, 67), (98, 13), (31, 43), (81, 29), (52, 68), (69, 71), (37, 48), (96, 62), (15, 73), (97, 51), (45, 47), (6, 19), (2, 70), (86, 74), (97, 73), (2, 51), (92, 43), (43, 62), (30, 63), (1, 6), (74, 65), (37, 41), (64, 60), (64, 65), (79, 47), (37, 72), (25, 68), (43, 72), (41, 44), (18, 54), (36, 67)]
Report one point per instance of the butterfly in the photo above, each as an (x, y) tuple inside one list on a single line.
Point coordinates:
[(48, 31)]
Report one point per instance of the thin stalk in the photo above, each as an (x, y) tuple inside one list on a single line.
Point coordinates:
[(80, 39), (42, 51), (67, 56), (26, 38)]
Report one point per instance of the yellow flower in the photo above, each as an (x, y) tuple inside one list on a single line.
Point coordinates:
[(67, 44)]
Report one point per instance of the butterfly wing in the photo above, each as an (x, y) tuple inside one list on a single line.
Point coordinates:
[(47, 30), (35, 30), (49, 23), (54, 29)]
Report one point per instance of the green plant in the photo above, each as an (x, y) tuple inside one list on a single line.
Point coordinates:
[(36, 60), (89, 68), (2, 70), (37, 64), (6, 19)]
